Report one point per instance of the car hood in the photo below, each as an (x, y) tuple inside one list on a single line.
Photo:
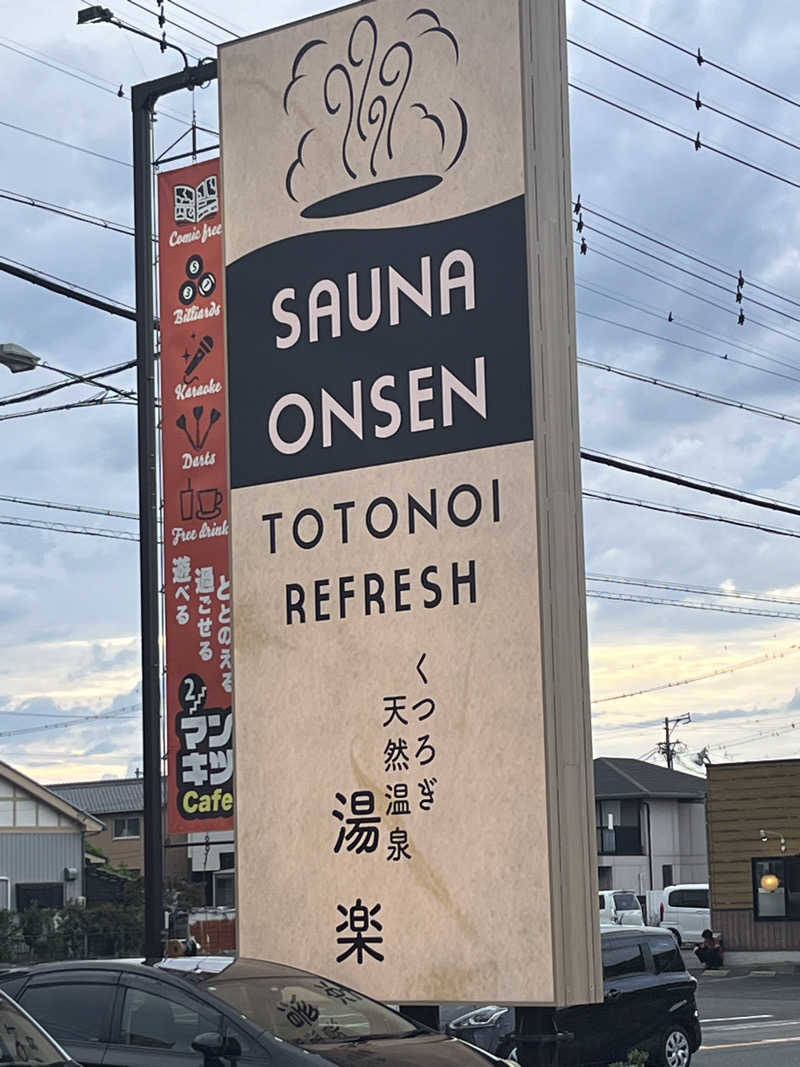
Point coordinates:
[(420, 1050)]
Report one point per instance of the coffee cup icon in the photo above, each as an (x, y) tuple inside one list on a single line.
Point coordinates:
[(209, 503)]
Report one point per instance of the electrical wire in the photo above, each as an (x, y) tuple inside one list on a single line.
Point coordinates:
[(695, 141), (686, 390), (632, 598), (66, 212), (679, 344), (697, 296), (64, 144), (678, 587), (202, 18), (697, 56), (83, 509), (692, 274), (670, 509), (176, 25), (742, 665), (106, 716), (89, 403), (712, 488), (694, 100), (45, 390), (580, 206), (60, 527)]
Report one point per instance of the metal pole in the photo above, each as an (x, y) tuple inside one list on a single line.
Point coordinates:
[(143, 100), (148, 532)]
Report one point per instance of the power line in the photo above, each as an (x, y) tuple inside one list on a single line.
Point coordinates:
[(632, 598), (68, 289), (698, 56), (695, 100), (93, 376), (702, 677), (696, 141), (653, 583), (65, 144), (579, 206), (60, 527), (712, 488), (90, 402), (670, 509), (685, 390), (94, 80), (202, 18), (697, 296), (83, 509), (691, 274), (106, 716), (177, 25), (680, 344), (66, 212)]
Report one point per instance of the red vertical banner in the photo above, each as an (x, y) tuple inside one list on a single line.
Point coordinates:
[(195, 482)]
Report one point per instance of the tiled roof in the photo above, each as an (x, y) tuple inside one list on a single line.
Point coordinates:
[(106, 796), (616, 779)]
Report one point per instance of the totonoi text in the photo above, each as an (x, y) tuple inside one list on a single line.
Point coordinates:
[(400, 589), (421, 400)]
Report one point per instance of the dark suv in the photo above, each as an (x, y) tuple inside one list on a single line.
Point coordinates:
[(648, 1004)]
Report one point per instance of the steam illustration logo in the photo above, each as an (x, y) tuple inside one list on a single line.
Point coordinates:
[(390, 143)]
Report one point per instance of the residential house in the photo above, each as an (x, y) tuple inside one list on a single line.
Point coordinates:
[(42, 838), (119, 804), (651, 825)]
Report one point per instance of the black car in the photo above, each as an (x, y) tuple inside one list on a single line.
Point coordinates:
[(649, 1004), (23, 1042), (213, 1011)]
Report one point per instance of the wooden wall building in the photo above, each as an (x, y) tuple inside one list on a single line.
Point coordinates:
[(755, 883)]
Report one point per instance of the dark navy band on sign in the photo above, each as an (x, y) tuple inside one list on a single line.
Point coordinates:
[(485, 345)]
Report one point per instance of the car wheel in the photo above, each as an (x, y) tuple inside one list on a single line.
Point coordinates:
[(675, 1050), (677, 937)]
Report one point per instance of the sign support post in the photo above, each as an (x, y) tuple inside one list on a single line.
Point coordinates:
[(143, 100)]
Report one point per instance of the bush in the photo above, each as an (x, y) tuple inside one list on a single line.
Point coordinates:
[(636, 1058)]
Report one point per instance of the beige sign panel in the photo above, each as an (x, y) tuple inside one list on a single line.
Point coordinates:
[(412, 743)]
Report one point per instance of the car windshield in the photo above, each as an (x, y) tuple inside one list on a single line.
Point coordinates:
[(626, 902), (22, 1042), (305, 1009)]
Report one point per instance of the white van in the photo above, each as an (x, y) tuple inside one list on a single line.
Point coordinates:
[(685, 911), (620, 906)]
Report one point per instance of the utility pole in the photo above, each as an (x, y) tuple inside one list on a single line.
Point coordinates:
[(143, 100), (668, 746)]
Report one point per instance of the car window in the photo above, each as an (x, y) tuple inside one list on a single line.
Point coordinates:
[(602, 902), (12, 986), (21, 1042), (676, 899), (157, 1021), (626, 902), (70, 1011), (696, 898), (666, 954), (308, 1009), (623, 957)]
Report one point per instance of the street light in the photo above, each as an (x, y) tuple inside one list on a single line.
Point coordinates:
[(17, 358)]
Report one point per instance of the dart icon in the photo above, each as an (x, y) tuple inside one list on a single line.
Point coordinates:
[(196, 441)]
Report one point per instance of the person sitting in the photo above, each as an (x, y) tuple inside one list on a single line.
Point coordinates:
[(709, 951)]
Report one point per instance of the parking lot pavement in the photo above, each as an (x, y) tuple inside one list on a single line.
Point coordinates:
[(749, 1021)]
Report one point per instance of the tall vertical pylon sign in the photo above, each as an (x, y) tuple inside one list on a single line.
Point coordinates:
[(412, 741), (199, 681)]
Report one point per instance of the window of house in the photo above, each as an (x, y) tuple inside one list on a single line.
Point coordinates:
[(666, 874), (224, 894), (776, 888), (605, 878), (127, 827), (619, 830)]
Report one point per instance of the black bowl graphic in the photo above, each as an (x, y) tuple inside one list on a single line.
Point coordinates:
[(367, 197)]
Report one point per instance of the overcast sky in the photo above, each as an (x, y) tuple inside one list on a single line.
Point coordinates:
[(69, 603)]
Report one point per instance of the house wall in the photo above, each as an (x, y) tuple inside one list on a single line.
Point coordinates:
[(678, 834), (129, 852), (41, 857), (743, 798)]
